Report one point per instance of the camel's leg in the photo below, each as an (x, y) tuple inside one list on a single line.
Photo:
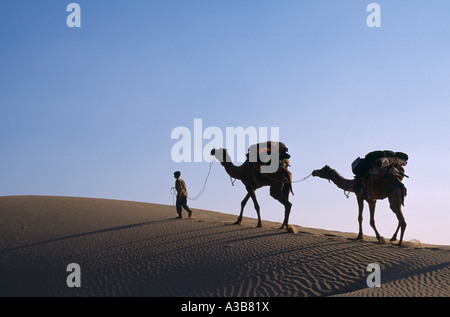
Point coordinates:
[(394, 236), (372, 204), (243, 203), (287, 189), (251, 193), (395, 203), (360, 216), (277, 193)]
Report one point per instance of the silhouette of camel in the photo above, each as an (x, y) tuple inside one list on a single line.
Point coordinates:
[(371, 190), (249, 174)]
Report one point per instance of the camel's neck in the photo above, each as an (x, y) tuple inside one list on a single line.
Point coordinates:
[(233, 170), (341, 182)]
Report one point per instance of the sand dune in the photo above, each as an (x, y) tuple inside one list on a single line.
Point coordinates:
[(138, 249)]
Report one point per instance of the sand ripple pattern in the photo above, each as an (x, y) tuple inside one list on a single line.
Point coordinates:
[(138, 249)]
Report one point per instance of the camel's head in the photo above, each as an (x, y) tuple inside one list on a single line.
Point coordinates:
[(324, 172), (221, 155)]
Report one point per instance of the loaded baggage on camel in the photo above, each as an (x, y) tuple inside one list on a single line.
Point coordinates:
[(378, 164), (261, 153)]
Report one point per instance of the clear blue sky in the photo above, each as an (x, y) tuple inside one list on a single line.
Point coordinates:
[(89, 111)]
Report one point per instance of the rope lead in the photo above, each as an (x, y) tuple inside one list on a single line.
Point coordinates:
[(204, 184)]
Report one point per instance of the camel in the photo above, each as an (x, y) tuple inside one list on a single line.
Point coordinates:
[(372, 190), (248, 173)]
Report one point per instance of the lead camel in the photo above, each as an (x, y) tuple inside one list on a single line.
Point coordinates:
[(248, 174)]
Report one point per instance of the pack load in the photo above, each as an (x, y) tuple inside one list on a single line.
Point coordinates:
[(261, 152), (380, 163)]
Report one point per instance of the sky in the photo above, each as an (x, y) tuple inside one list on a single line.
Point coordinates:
[(89, 111)]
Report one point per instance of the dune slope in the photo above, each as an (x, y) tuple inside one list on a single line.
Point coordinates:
[(138, 249)]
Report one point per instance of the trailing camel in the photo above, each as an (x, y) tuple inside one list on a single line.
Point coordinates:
[(371, 189)]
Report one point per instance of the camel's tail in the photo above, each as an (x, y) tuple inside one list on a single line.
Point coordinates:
[(288, 183), (404, 191)]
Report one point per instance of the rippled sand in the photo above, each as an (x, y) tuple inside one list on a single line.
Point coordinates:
[(138, 249)]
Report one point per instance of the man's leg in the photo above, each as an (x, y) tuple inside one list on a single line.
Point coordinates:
[(185, 206), (178, 206)]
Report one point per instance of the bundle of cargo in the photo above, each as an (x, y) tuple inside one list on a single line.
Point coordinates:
[(380, 163), (262, 152)]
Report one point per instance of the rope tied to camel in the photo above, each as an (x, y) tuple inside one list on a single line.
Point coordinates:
[(289, 182), (206, 180), (303, 179)]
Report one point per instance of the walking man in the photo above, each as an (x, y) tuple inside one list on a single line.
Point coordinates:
[(182, 195)]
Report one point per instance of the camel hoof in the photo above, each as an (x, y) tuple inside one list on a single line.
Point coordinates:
[(237, 223), (360, 237), (382, 240), (259, 225), (393, 239)]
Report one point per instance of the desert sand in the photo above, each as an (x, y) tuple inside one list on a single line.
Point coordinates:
[(128, 248)]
